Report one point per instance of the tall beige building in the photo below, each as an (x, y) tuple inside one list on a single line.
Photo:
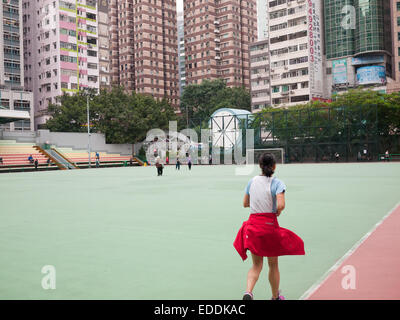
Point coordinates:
[(217, 38), (104, 44), (394, 86), (144, 48)]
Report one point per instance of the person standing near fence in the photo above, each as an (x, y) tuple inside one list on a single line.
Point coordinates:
[(189, 162), (387, 156), (159, 167)]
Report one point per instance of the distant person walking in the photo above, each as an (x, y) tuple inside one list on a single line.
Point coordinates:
[(1, 160), (178, 164), (337, 156), (189, 162), (36, 164)]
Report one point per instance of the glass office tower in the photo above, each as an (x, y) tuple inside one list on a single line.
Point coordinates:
[(370, 31), (339, 41), (353, 27)]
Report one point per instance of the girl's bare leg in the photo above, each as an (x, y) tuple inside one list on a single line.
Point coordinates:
[(254, 272), (274, 276)]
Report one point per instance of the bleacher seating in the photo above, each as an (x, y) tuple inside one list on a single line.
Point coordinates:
[(15, 154), (81, 157), (15, 157)]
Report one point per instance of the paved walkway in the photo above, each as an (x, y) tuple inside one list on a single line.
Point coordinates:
[(376, 262)]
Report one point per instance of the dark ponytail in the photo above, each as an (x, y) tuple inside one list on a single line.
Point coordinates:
[(267, 163)]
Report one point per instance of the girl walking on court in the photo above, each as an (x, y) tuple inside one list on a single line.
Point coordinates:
[(261, 233)]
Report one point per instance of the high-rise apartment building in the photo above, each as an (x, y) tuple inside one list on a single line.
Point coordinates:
[(113, 19), (262, 19), (394, 86), (217, 38), (358, 40), (61, 50), (144, 48), (294, 63), (260, 76), (181, 52), (104, 44), (12, 93)]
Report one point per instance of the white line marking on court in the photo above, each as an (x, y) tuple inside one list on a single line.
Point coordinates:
[(327, 274)]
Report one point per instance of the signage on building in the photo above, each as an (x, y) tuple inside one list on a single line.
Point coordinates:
[(339, 71), (367, 60), (371, 75), (322, 100), (315, 47)]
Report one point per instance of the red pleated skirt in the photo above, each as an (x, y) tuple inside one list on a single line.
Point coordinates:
[(262, 235)]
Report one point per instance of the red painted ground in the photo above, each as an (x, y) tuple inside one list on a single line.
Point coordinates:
[(377, 266)]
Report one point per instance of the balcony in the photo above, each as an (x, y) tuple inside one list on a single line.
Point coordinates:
[(10, 28), (15, 57)]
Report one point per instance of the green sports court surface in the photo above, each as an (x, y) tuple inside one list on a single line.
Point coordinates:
[(124, 233)]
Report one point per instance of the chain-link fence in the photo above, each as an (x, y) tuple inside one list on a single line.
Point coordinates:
[(324, 134)]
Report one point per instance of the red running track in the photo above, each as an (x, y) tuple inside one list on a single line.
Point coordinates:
[(376, 263)]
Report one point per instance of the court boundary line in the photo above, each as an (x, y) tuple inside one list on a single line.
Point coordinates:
[(332, 269)]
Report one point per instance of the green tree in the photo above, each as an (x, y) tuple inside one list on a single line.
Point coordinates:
[(122, 117), (351, 115), (69, 115), (199, 101)]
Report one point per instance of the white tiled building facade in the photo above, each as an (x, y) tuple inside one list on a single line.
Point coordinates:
[(260, 76), (295, 61)]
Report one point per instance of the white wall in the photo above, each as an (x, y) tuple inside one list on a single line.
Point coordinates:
[(69, 139)]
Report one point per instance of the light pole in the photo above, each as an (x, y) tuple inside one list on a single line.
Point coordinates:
[(88, 129)]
